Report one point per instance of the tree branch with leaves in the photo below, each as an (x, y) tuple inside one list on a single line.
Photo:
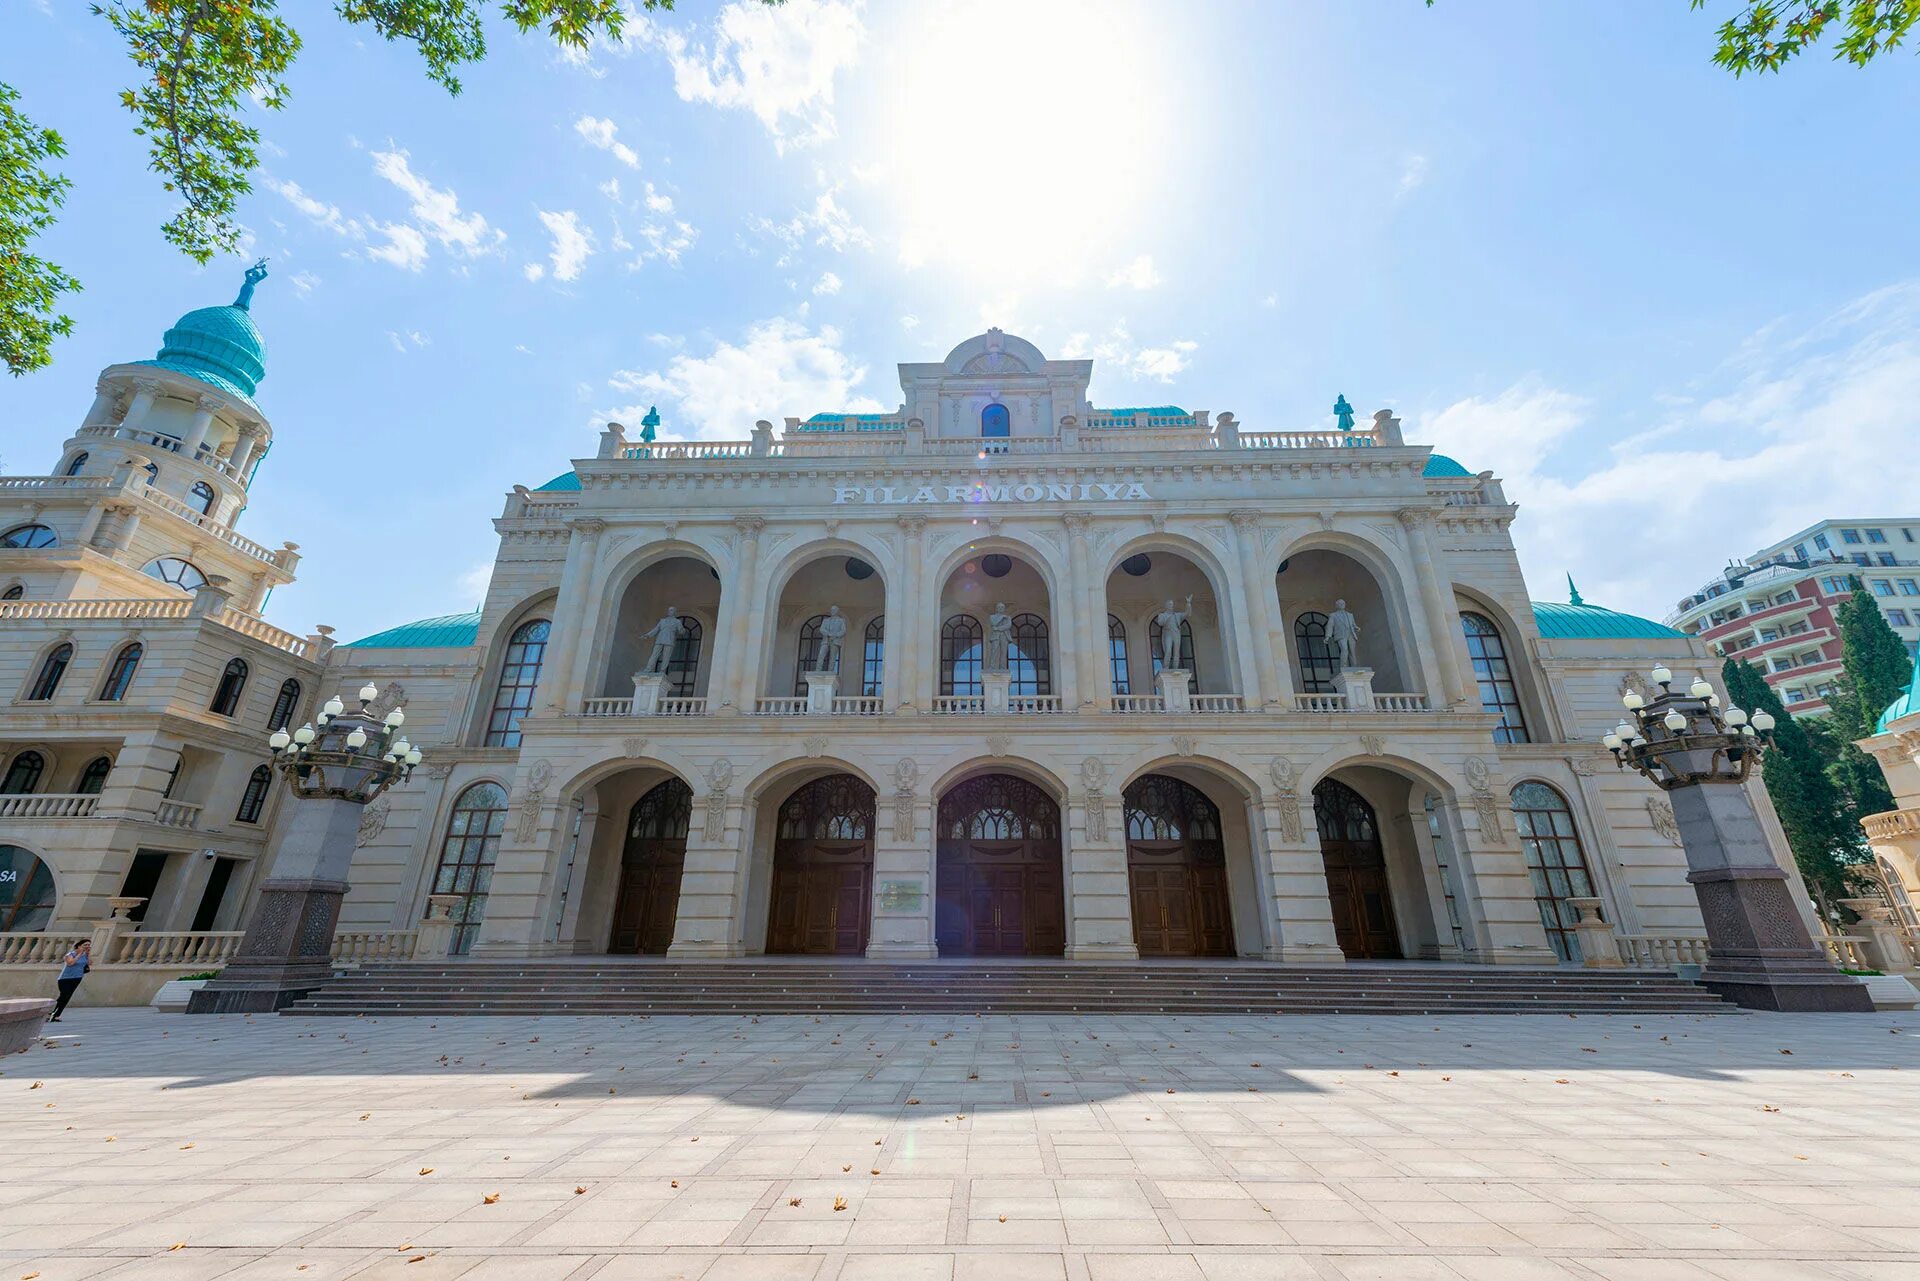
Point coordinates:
[(30, 199)]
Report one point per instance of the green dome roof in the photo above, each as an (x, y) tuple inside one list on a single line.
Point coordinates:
[(1905, 705), (1590, 622), (565, 482), (220, 346), (448, 631), (1441, 465)]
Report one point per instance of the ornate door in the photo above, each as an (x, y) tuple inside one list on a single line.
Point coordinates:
[(1357, 888), (1176, 870), (823, 869), (998, 884), (651, 862)]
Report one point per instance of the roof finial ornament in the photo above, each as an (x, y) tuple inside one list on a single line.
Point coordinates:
[(649, 423), (1343, 413), (1573, 593), (255, 274)]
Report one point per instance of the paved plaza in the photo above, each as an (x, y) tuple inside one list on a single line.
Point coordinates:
[(935, 1148)]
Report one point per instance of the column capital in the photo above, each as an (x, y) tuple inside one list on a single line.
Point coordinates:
[(1077, 523), (911, 526), (148, 386), (588, 526), (750, 526), (210, 404), (1243, 520), (1415, 518)]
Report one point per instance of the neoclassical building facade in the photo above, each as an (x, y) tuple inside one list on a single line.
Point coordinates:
[(1001, 763)]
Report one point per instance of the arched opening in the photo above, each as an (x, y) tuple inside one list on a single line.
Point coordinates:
[(692, 589), (26, 891), (995, 422), (1314, 586), (233, 684), (995, 615), (1556, 864), (520, 667), (23, 774), (120, 675), (201, 497), (831, 616), (999, 888), (253, 801), (1493, 674), (285, 704), (73, 467), (46, 682), (1356, 862), (30, 536), (94, 777), (1898, 896), (652, 861), (822, 893), (467, 855), (1149, 591), (183, 574), (1176, 869)]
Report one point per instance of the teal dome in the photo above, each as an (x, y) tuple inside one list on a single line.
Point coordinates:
[(448, 631), (1905, 705), (1441, 465), (220, 346), (1590, 622)]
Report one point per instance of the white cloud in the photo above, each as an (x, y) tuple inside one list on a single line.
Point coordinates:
[(1413, 172), (475, 580), (601, 132), (534, 271), (1512, 432), (780, 367), (826, 224), (909, 323), (304, 282), (827, 284), (436, 210), (405, 248), (407, 341), (1138, 274), (658, 203), (326, 215), (1270, 301), (1117, 352), (610, 189), (572, 243), (777, 62)]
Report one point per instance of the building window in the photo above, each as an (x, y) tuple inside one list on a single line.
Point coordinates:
[(1833, 586), (519, 673), (1318, 662), (201, 496), (995, 423), (233, 683), (1876, 536), (1491, 671), (960, 656), (1885, 558), (254, 799), (1555, 862), (26, 892), (1800, 628), (182, 574), (1861, 558), (94, 776), (467, 857), (1849, 535), (1117, 655), (1820, 541), (120, 675), (1909, 587), (153, 474), (1897, 617), (1799, 551), (873, 658), (52, 668), (73, 468), (808, 646), (1882, 587), (683, 664), (29, 536), (15, 592), (1029, 659), (1769, 633), (1154, 641), (1796, 696), (1897, 896), (23, 775), (285, 704), (1782, 662), (1443, 861)]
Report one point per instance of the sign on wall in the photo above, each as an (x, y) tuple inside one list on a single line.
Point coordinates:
[(982, 492)]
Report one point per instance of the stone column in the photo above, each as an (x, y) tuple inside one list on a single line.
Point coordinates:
[(907, 686), (1300, 913), (203, 412), (1759, 953), (1099, 898), (1268, 683), (105, 397), (741, 671), (145, 392), (574, 619), (1495, 889), (713, 884), (1084, 599), (1443, 620), (901, 924), (288, 948), (243, 452)]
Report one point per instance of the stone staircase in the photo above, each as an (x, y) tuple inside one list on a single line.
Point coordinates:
[(803, 986)]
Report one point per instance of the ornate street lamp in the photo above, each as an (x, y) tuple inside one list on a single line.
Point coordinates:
[(336, 764), (1759, 952)]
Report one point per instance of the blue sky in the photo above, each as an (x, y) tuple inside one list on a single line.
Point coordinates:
[(1676, 311)]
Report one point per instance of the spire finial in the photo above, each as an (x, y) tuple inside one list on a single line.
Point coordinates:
[(255, 274), (1573, 593)]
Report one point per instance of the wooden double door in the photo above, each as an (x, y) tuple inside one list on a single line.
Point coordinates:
[(651, 864), (1357, 890), (1176, 870), (999, 888), (822, 894)]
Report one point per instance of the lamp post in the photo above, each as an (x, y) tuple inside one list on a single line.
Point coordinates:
[(1759, 953), (335, 765)]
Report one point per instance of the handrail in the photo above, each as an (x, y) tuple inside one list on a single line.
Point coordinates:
[(351, 946), (857, 705), (248, 625), (204, 457), (36, 948), (780, 707), (1033, 704), (50, 805), (1399, 702), (1320, 703), (1218, 702), (57, 482)]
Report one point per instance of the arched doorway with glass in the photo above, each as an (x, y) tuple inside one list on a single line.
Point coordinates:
[(999, 883), (821, 894), (653, 857), (618, 870), (1177, 869)]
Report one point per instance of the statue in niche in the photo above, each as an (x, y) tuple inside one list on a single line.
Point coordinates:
[(1343, 634), (999, 638), (833, 634), (1343, 413), (664, 634), (1170, 620)]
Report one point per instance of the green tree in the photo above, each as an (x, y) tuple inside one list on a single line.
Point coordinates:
[(1877, 672), (30, 196), (1768, 33), (202, 64), (1821, 829)]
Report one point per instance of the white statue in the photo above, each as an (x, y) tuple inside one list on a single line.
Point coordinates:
[(1343, 634), (1170, 620), (664, 634), (833, 633), (999, 638)]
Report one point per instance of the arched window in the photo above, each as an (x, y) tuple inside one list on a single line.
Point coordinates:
[(73, 467), (254, 799), (26, 891), (23, 775), (285, 704), (838, 807), (873, 658), (1029, 660), (998, 807), (960, 655), (15, 592), (683, 665), (467, 857), (519, 673), (1495, 678), (1159, 808), (52, 668), (1117, 655), (1155, 632), (808, 646), (1898, 898), (153, 474), (995, 423), (94, 776), (1318, 662), (1555, 862), (202, 497), (29, 536), (662, 814), (233, 683), (120, 675), (181, 573)]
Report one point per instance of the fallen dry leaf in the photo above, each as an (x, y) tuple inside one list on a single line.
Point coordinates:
[(36, 1085), (793, 1201), (1003, 1218), (676, 1183), (845, 1168), (839, 1203), (1768, 1107), (418, 1258), (490, 1198), (177, 1245), (874, 1170), (579, 1191)]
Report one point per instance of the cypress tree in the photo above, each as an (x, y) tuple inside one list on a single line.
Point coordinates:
[(1878, 667)]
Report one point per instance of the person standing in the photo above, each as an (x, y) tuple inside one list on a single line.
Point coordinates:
[(73, 969)]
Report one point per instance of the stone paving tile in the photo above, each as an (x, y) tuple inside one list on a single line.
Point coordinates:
[(1056, 1148)]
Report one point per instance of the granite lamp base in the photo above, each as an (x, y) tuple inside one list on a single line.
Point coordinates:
[(287, 951), (1759, 954)]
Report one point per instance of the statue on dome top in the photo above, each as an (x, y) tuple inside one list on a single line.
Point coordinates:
[(649, 424), (255, 274), (1343, 413)]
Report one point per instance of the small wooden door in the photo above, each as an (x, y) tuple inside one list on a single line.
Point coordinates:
[(651, 864), (822, 892), (1176, 870), (1357, 890)]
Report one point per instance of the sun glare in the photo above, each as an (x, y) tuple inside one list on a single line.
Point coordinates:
[(1026, 143)]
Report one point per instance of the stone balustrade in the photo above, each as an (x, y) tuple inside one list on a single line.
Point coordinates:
[(50, 805), (1661, 951), (204, 457), (154, 610), (176, 947), (354, 946), (208, 525), (62, 484), (1894, 825), (181, 814)]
